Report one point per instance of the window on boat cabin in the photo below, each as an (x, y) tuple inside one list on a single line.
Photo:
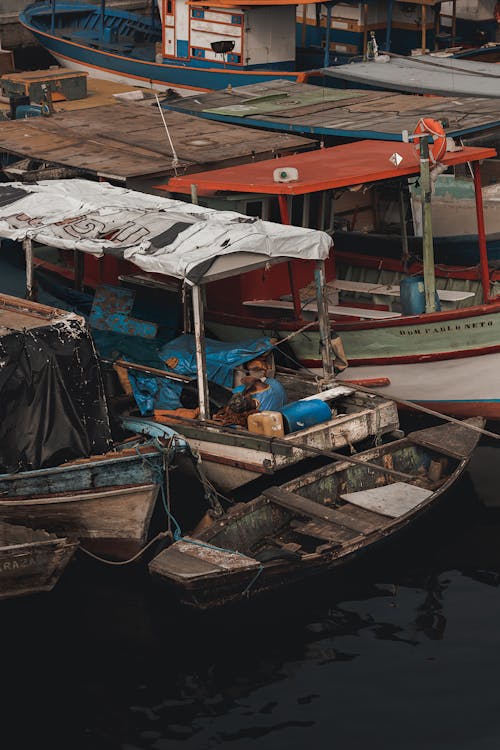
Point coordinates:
[(170, 7), (197, 52), (198, 13), (236, 20)]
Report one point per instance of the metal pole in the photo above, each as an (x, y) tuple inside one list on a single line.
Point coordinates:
[(481, 233), (28, 255), (304, 26), (326, 61), (194, 194), (404, 232), (306, 210), (53, 17), (390, 9), (453, 22), (201, 360), (323, 319), (427, 243)]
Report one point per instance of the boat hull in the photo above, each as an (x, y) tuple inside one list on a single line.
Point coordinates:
[(31, 562), (448, 361), (105, 501), (230, 464), (112, 521), (184, 77)]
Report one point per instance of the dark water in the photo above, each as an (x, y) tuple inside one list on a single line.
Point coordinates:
[(400, 650)]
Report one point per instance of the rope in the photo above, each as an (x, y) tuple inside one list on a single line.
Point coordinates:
[(175, 158), (160, 535)]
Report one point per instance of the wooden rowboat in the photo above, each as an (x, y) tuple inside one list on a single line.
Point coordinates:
[(31, 561), (317, 522)]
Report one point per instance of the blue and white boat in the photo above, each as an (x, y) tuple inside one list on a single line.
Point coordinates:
[(189, 46)]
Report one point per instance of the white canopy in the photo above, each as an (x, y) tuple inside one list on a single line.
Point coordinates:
[(159, 235)]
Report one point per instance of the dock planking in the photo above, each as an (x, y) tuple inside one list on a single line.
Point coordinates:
[(346, 113), (127, 141)]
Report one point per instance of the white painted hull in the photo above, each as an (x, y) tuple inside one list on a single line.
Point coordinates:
[(467, 386), (231, 466)]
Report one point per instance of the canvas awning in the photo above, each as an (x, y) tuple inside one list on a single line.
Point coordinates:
[(325, 169), (159, 235)]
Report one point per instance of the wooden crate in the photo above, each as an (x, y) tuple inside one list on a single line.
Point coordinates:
[(6, 61), (63, 83)]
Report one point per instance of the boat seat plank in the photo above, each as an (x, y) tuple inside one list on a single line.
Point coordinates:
[(355, 312), (393, 500), (185, 560), (311, 509), (326, 532), (392, 290), (452, 440)]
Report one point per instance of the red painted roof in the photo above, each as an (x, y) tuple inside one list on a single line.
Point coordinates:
[(324, 169)]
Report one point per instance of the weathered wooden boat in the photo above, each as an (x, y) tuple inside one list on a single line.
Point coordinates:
[(444, 358), (31, 561), (60, 470), (318, 522), (197, 247)]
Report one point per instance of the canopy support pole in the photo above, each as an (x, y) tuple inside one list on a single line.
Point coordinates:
[(326, 61), (28, 255), (428, 247), (424, 27), (53, 17), (481, 233), (388, 33), (79, 266), (404, 233), (304, 26), (285, 219), (283, 206), (365, 29), (453, 22), (323, 319), (201, 359)]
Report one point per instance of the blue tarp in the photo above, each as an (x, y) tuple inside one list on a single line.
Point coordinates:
[(222, 357)]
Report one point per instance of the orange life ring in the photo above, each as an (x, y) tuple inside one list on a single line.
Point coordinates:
[(437, 147)]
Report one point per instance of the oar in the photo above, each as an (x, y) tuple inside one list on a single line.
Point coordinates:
[(152, 371), (426, 410), (306, 448)]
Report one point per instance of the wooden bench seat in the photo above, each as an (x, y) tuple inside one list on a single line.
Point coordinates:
[(392, 290), (336, 310)]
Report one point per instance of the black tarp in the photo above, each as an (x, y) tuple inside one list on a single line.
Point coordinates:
[(52, 403)]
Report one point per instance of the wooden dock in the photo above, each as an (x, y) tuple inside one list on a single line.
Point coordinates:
[(127, 143), (309, 110)]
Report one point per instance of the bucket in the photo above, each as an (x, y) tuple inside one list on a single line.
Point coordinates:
[(301, 414), (412, 294)]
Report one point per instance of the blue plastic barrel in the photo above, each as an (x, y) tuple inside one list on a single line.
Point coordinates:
[(301, 414), (412, 295)]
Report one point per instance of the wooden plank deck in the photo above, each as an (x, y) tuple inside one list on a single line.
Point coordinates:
[(128, 140), (365, 114), (313, 510)]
